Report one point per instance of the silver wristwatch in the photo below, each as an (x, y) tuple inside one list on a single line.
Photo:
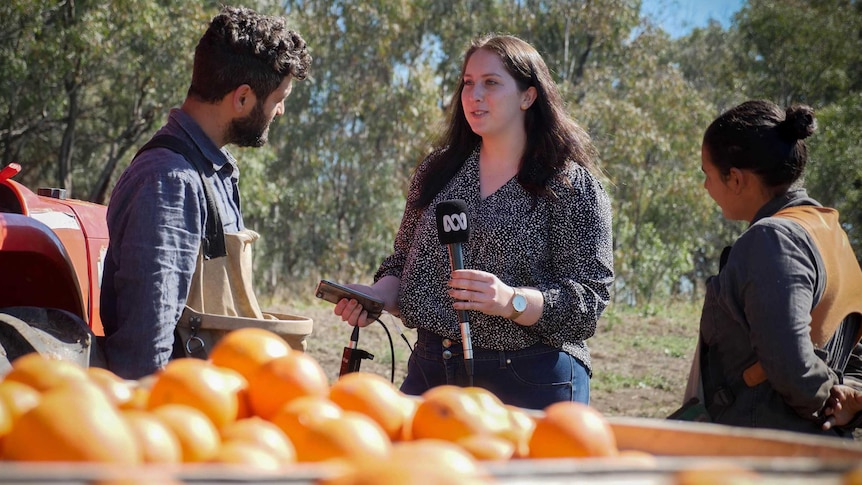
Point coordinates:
[(518, 304)]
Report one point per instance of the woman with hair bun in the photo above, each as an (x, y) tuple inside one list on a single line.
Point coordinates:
[(780, 327)]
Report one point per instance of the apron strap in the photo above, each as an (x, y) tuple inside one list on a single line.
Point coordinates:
[(213, 241)]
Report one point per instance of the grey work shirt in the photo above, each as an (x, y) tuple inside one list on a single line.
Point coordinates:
[(758, 308), (156, 220)]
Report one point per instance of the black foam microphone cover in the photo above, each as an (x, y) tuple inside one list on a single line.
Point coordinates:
[(452, 224), (454, 230)]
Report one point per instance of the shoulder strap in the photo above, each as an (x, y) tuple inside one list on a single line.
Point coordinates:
[(213, 241), (835, 320), (843, 274)]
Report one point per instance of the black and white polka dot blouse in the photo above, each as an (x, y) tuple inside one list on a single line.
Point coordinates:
[(560, 246)]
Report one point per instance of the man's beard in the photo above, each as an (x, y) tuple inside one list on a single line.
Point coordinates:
[(251, 131)]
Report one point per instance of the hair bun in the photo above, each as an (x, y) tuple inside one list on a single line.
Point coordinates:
[(799, 122)]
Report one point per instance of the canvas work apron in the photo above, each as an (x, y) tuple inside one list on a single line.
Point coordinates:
[(221, 299)]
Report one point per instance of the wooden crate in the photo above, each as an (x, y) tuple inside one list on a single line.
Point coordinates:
[(777, 457), (681, 438)]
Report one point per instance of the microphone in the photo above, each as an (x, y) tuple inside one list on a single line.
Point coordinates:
[(352, 356), (453, 230)]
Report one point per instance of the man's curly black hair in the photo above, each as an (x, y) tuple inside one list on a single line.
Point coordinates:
[(242, 46)]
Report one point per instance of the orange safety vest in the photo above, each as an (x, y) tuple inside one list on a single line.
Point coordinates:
[(843, 293)]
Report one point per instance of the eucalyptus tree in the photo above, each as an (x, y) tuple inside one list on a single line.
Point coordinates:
[(835, 170), (811, 52), (707, 58), (330, 201), (647, 121), (789, 52), (799, 50), (84, 81)]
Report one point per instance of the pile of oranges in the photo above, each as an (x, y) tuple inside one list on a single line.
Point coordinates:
[(259, 404)]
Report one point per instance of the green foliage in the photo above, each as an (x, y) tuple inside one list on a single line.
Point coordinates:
[(333, 195), (85, 83), (646, 121), (835, 170), (795, 51), (704, 58), (799, 50)]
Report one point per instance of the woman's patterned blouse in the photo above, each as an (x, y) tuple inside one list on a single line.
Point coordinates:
[(560, 245)]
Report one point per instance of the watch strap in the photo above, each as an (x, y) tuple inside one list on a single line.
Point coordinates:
[(515, 313)]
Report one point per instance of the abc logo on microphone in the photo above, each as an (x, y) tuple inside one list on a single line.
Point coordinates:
[(455, 222), (453, 226)]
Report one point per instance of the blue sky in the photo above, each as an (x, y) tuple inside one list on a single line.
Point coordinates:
[(678, 17)]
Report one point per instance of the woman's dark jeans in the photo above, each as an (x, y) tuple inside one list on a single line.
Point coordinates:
[(532, 378)]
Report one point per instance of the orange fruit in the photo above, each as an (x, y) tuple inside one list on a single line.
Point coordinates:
[(199, 384), (487, 447), (263, 434), (521, 425), (246, 349), (157, 441), (18, 398), (138, 400), (43, 372), (374, 396), (399, 471), (570, 430), (199, 439), (118, 390), (236, 383), (350, 436), (140, 393), (72, 422), (248, 454), (15, 400), (451, 413), (6, 420), (294, 417), (284, 378), (146, 382), (409, 406), (429, 462), (436, 453)]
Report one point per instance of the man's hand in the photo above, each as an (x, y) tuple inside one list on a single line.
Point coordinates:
[(843, 404)]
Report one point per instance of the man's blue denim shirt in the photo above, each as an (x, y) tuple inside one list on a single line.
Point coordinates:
[(156, 219)]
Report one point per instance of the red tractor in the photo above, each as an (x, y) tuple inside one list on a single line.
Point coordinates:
[(51, 254)]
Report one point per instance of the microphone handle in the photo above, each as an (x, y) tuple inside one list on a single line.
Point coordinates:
[(456, 256), (456, 260)]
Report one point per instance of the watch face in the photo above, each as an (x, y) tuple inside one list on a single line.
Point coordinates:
[(519, 303)]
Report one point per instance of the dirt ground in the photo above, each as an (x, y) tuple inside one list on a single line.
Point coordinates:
[(640, 363), (653, 376)]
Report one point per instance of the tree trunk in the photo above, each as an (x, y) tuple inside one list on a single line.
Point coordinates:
[(64, 176)]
